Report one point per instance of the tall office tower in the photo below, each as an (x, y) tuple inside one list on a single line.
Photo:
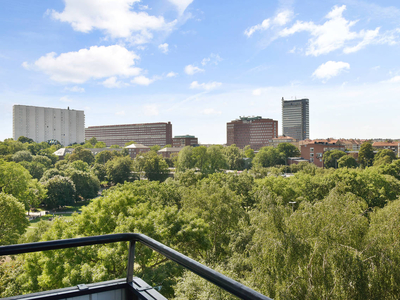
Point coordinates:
[(295, 119), (44, 123), (254, 131), (148, 134)]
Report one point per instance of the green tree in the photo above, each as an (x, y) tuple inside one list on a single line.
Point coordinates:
[(13, 221), (81, 154), (34, 168), (92, 141), (384, 156), (268, 157), (50, 173), (24, 139), (347, 161), (103, 157), (44, 160), (248, 152), (366, 155), (200, 157), (288, 150), (115, 146), (100, 145), (22, 156), (331, 158), (87, 185), (234, 157), (153, 165), (185, 159), (155, 148), (120, 170), (215, 159), (100, 171), (60, 192), (129, 143)]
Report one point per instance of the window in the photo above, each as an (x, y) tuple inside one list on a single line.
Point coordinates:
[(311, 149), (311, 154)]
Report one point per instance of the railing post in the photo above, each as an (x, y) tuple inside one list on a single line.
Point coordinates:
[(131, 261)]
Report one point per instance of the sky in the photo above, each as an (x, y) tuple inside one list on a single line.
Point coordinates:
[(200, 64)]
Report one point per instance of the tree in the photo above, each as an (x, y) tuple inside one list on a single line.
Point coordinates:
[(60, 192), (50, 173), (234, 157), (155, 148), (248, 152), (384, 156), (86, 184), (120, 169), (366, 155), (115, 146), (22, 156), (268, 157), (288, 150), (44, 160), (36, 169), (81, 154), (154, 166), (100, 171), (100, 145), (24, 139), (200, 157), (13, 221), (347, 161), (215, 159), (185, 159), (331, 158), (103, 157), (129, 143), (92, 141)]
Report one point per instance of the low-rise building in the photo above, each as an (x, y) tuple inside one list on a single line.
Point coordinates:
[(394, 146), (314, 151), (184, 140), (167, 151), (284, 139), (135, 149)]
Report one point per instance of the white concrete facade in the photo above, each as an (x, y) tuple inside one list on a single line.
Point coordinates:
[(44, 123)]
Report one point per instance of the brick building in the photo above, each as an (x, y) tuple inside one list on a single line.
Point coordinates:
[(284, 139), (394, 146), (167, 152), (314, 151), (148, 134), (184, 140), (135, 149), (254, 131)]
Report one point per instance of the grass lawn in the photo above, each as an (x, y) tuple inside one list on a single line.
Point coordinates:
[(34, 223)]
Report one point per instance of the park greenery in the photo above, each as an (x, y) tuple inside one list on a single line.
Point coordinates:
[(329, 233)]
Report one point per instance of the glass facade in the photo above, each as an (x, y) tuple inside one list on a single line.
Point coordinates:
[(295, 118)]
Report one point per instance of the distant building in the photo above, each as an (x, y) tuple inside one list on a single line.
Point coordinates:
[(63, 151), (42, 124), (394, 146), (284, 139), (135, 149), (167, 151), (314, 151), (148, 134), (295, 119), (254, 131), (184, 140)]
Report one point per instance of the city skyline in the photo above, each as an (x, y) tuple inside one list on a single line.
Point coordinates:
[(200, 64)]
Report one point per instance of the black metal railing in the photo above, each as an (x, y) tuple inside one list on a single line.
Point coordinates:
[(235, 288)]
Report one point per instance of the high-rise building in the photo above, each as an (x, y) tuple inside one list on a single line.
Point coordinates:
[(184, 140), (42, 124), (254, 131), (148, 134), (295, 119)]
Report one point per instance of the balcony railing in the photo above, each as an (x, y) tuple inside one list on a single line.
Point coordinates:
[(131, 287)]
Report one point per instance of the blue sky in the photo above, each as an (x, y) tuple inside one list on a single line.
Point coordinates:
[(200, 64)]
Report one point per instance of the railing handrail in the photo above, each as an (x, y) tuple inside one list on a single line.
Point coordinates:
[(235, 288)]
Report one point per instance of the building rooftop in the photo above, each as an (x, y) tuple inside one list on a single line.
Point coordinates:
[(184, 137), (385, 144), (137, 146), (170, 149)]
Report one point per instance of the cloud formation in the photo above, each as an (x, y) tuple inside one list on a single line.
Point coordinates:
[(205, 86), (330, 69), (181, 5), (213, 59), (163, 48), (211, 111), (190, 70), (75, 89), (280, 19), (95, 62), (115, 18), (142, 80), (112, 82), (172, 74)]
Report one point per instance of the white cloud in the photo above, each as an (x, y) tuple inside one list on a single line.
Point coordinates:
[(293, 50), (120, 113), (213, 59), (211, 111), (330, 69), (163, 48), (256, 92), (151, 110), (112, 82), (205, 86), (283, 17), (395, 79), (95, 62), (75, 89), (190, 70), (263, 26), (181, 5), (115, 18), (142, 80), (172, 74), (65, 99), (336, 33)]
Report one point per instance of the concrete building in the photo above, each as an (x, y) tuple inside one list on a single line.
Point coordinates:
[(254, 131), (295, 119), (314, 151), (42, 124), (148, 134), (184, 140)]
